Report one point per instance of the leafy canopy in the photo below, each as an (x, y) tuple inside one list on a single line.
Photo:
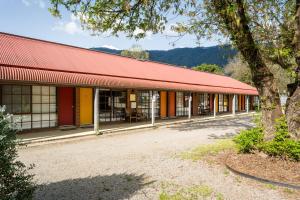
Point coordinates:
[(137, 52), (211, 68)]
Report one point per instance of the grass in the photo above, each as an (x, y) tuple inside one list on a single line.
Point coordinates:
[(172, 191), (209, 149), (190, 193), (271, 186)]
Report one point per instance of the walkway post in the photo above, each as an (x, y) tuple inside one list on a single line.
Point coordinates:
[(233, 105), (96, 110), (190, 106), (247, 103), (152, 110), (215, 106)]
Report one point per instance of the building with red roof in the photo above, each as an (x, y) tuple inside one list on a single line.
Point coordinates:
[(51, 84)]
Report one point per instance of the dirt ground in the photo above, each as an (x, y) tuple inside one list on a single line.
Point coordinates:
[(138, 165)]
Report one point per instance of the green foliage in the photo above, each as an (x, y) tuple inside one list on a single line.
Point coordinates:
[(248, 140), (15, 182), (212, 68), (190, 193), (281, 146), (137, 52)]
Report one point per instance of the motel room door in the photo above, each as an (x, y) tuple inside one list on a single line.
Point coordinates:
[(163, 104), (171, 104), (65, 106), (86, 106)]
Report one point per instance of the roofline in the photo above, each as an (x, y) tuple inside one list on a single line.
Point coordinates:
[(195, 84), (95, 51)]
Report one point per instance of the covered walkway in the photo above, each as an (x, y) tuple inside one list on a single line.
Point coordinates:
[(46, 136)]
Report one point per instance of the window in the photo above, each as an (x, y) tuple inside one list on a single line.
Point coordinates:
[(119, 102), (204, 103), (182, 104), (105, 106), (112, 105), (44, 107), (143, 102), (32, 106), (223, 103), (17, 100), (156, 104)]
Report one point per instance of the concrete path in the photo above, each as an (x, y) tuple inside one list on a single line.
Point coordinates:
[(135, 165)]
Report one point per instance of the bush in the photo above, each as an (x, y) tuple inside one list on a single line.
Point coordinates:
[(285, 149), (15, 182), (282, 145), (248, 140)]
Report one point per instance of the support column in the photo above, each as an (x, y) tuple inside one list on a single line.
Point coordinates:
[(190, 106), (96, 110), (247, 103), (152, 109), (215, 106), (233, 105)]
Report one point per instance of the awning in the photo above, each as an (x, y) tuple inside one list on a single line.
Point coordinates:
[(59, 78)]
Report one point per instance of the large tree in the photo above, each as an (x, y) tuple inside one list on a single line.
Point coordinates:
[(211, 68), (262, 31), (136, 51)]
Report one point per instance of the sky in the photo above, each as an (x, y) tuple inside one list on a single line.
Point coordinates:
[(31, 18)]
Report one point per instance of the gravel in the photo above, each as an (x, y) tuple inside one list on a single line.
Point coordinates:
[(134, 165)]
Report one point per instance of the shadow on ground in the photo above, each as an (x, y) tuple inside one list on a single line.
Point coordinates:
[(115, 186), (222, 124)]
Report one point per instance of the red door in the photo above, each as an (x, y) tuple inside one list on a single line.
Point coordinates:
[(65, 106)]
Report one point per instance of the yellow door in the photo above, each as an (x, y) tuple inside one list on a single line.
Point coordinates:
[(86, 106)]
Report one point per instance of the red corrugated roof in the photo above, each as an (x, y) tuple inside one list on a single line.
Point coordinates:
[(26, 59)]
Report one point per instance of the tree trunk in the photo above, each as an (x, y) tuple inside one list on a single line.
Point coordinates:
[(293, 113), (293, 103), (236, 24)]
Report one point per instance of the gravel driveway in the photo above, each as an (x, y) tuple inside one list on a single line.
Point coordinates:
[(134, 165)]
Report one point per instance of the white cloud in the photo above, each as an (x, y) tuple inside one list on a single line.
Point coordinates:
[(72, 27), (26, 3), (148, 33), (110, 47), (169, 32), (39, 3)]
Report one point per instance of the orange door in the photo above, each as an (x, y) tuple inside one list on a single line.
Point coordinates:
[(171, 104), (163, 104)]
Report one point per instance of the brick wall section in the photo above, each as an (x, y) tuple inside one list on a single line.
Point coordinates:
[(77, 107)]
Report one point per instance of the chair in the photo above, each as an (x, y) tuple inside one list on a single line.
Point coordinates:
[(140, 115), (129, 115)]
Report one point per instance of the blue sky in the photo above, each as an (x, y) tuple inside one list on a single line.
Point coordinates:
[(31, 18)]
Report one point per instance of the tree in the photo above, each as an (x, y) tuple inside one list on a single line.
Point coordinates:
[(137, 52), (15, 182), (262, 31), (239, 70), (212, 68)]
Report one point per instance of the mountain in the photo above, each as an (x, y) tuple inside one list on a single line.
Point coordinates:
[(188, 57)]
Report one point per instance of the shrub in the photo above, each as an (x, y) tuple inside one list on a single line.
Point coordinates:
[(15, 183), (282, 145), (248, 140), (285, 149)]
